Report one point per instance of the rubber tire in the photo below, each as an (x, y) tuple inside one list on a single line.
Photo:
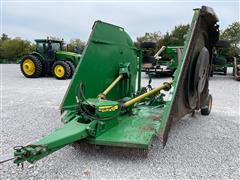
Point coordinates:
[(72, 67), (66, 67), (45, 69), (148, 45), (223, 44), (211, 72), (207, 110), (148, 59), (37, 63), (225, 70)]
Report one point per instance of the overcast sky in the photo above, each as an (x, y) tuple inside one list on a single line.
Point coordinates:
[(32, 20)]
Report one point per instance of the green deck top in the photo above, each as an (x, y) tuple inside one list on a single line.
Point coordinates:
[(132, 130)]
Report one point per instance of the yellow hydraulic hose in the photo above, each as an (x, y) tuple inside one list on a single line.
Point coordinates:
[(103, 95), (166, 86)]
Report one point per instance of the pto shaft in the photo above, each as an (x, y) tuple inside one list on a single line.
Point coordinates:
[(109, 88), (166, 86)]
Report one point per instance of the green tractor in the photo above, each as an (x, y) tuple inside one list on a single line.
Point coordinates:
[(220, 58), (49, 59)]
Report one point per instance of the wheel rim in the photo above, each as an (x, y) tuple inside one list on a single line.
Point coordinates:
[(59, 71), (28, 67)]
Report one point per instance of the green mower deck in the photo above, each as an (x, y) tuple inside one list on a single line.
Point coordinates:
[(102, 104)]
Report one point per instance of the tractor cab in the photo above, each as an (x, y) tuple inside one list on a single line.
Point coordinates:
[(47, 47)]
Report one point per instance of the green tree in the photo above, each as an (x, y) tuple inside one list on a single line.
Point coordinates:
[(155, 37), (176, 36), (13, 49), (232, 33), (4, 37), (173, 38), (76, 45)]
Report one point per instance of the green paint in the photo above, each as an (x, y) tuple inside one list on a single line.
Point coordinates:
[(42, 46), (69, 133), (171, 51), (108, 46), (168, 62), (177, 75), (133, 130), (109, 51)]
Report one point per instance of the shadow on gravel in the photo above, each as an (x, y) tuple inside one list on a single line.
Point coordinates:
[(123, 153), (222, 78)]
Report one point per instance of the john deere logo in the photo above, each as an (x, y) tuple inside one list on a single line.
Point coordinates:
[(107, 108)]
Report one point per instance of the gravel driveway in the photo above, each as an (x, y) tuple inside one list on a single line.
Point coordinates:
[(198, 147)]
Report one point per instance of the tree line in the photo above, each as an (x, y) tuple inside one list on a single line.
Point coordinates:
[(177, 36), (12, 49)]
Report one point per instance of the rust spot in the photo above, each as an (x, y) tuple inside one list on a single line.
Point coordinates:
[(148, 128), (144, 129), (155, 118), (160, 134)]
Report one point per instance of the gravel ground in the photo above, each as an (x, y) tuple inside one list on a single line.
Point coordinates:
[(198, 147)]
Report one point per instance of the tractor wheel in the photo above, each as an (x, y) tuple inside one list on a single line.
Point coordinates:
[(225, 70), (211, 72), (72, 67), (223, 44), (148, 45), (148, 59), (207, 109), (31, 66), (61, 70)]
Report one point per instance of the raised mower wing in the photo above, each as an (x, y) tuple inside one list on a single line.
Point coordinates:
[(108, 46), (190, 86)]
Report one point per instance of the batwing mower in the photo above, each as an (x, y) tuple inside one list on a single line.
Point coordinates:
[(105, 104), (164, 62)]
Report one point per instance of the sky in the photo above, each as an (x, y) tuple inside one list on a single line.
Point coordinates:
[(71, 19)]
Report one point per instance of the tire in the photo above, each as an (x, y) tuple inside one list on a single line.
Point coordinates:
[(223, 44), (46, 68), (148, 45), (205, 111), (211, 72), (61, 70), (148, 59), (72, 67), (233, 72), (31, 66), (225, 70)]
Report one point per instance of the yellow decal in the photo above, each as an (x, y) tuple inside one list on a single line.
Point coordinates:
[(107, 108)]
